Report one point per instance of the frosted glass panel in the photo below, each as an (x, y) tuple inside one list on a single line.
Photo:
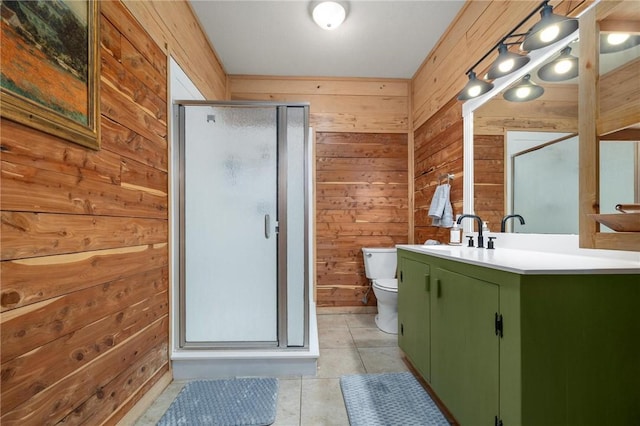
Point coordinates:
[(295, 226), (546, 188), (230, 192)]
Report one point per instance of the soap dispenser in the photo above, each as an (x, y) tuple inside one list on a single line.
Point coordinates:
[(455, 233)]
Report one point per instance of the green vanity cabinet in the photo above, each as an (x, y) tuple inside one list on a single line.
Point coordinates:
[(413, 312), (464, 346), (501, 347)]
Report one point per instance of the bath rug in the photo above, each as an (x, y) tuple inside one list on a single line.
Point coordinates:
[(388, 399), (225, 402)]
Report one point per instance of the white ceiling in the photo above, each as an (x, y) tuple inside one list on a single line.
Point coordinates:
[(377, 39)]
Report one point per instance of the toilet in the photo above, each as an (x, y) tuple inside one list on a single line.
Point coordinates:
[(380, 267)]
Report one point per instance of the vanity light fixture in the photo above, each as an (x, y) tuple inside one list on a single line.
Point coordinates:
[(506, 62), (474, 87), (525, 90), (549, 29), (564, 67), (329, 15), (616, 42)]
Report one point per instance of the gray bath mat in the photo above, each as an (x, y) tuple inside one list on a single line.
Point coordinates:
[(388, 399), (226, 402)]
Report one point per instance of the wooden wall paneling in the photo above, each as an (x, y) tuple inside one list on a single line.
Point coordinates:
[(620, 98), (361, 201), (68, 393), (75, 335), (84, 248), (173, 24), (438, 150), (336, 104), (22, 283), (30, 189), (489, 179), (118, 391), (129, 144)]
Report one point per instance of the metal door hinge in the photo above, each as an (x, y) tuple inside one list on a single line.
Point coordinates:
[(499, 325), (497, 421)]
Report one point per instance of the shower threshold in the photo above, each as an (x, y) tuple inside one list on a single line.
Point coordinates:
[(210, 364)]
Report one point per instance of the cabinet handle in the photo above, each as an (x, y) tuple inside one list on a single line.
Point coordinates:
[(427, 283), (401, 276), (438, 288)]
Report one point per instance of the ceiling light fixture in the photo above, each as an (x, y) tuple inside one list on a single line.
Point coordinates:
[(617, 42), (564, 67), (506, 62), (329, 15), (474, 88), (525, 90), (549, 29)]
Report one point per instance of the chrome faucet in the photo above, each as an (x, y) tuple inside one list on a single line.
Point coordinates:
[(477, 218), (510, 216)]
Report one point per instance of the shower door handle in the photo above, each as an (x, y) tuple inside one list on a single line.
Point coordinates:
[(267, 226)]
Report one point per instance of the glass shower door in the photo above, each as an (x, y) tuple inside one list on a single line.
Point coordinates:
[(230, 194)]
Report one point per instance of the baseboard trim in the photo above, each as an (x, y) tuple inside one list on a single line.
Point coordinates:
[(346, 310)]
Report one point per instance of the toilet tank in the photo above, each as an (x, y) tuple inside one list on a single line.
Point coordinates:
[(380, 262)]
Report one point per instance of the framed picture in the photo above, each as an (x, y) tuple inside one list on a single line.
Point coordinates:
[(50, 67)]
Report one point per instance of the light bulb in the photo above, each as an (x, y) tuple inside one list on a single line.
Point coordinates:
[(550, 33), (617, 38), (474, 90), (563, 66), (523, 92), (507, 65)]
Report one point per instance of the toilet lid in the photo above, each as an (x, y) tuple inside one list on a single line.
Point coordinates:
[(389, 284)]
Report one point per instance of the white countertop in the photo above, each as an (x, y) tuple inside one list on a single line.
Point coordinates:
[(529, 261)]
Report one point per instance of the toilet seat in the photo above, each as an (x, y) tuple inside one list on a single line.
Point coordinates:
[(388, 284)]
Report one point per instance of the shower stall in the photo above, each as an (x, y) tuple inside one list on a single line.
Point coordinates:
[(243, 215)]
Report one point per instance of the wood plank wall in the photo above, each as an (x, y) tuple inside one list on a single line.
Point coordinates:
[(84, 259), (438, 151), (361, 201), (362, 185)]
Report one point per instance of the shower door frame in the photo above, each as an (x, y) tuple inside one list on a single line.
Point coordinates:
[(281, 232)]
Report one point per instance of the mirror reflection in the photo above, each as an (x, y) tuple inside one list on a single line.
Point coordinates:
[(526, 144)]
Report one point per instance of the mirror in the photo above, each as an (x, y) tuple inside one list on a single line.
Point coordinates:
[(525, 154)]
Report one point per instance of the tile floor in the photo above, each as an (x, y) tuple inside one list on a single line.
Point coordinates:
[(349, 344)]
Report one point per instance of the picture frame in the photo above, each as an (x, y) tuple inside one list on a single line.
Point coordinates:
[(50, 68)]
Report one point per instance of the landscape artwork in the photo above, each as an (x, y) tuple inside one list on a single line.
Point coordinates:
[(48, 66)]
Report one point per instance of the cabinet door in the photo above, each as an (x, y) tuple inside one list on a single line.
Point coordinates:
[(413, 313), (464, 346)]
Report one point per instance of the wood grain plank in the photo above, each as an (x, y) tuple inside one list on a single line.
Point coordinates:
[(29, 327), (29, 189), (380, 215), (27, 234), (33, 280), (31, 373), (120, 17), (56, 155), (131, 86), (361, 164), (115, 394), (115, 105), (50, 407), (129, 144), (318, 86)]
